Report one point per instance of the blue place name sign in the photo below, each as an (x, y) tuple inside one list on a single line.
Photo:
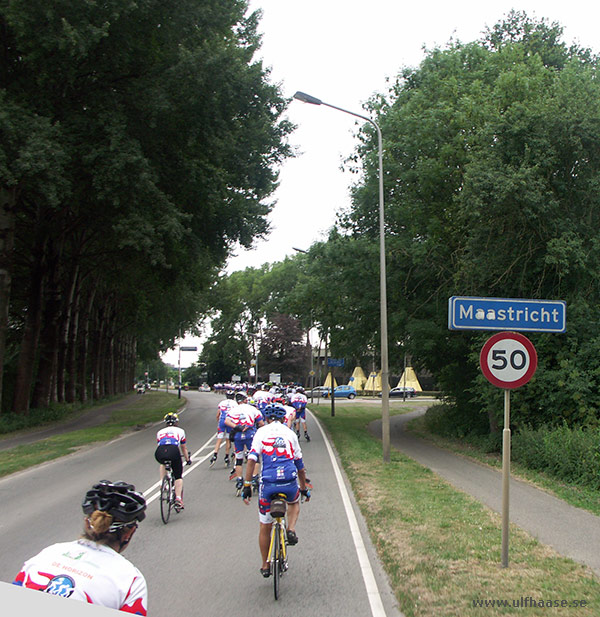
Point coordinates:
[(335, 361), (466, 313)]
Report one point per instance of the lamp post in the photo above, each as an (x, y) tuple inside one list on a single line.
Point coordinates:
[(385, 401)]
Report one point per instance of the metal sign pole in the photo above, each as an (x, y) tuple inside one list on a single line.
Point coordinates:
[(505, 477), (332, 392)]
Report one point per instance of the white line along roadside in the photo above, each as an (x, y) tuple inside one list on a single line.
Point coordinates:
[(154, 487), (377, 609)]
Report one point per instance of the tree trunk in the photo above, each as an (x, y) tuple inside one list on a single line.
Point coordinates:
[(71, 356), (85, 350), (29, 342), (45, 387), (64, 339), (8, 198)]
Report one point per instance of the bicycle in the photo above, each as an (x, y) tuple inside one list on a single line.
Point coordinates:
[(278, 561), (167, 494)]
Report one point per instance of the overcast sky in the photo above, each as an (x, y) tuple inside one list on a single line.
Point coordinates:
[(344, 51)]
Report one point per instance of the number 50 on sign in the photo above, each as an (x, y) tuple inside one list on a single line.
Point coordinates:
[(508, 360)]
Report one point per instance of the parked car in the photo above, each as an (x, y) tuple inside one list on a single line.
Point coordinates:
[(317, 391), (343, 392), (204, 388), (399, 392)]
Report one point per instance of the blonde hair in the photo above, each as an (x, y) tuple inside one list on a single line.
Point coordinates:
[(97, 526)]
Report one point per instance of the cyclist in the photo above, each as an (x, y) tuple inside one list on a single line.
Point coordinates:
[(243, 420), (224, 406), (171, 439), (282, 471), (92, 569), (299, 401)]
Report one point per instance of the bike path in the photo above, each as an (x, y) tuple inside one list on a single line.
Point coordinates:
[(570, 531), (95, 416)]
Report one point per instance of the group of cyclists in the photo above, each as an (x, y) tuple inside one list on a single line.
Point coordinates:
[(261, 427)]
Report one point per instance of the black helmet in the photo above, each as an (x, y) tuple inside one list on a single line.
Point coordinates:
[(119, 499), (274, 411), (171, 418)]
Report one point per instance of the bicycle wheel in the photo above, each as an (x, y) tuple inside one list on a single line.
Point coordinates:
[(165, 499), (276, 564)]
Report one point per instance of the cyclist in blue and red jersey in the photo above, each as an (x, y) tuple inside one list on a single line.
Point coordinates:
[(243, 419), (299, 401), (170, 440), (222, 431), (282, 471)]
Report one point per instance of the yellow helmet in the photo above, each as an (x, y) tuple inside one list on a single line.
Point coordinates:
[(171, 418)]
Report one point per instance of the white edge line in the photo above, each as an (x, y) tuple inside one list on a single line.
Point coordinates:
[(377, 609)]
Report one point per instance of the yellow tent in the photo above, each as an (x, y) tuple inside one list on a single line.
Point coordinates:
[(358, 379), (409, 378), (373, 382), (327, 383)]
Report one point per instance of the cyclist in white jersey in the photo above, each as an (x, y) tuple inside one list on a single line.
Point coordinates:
[(170, 440), (282, 471), (222, 431), (92, 569)]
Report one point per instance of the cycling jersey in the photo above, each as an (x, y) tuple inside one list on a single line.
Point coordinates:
[(244, 416), (280, 451), (290, 414), (262, 399), (298, 401), (224, 407), (170, 436), (86, 571)]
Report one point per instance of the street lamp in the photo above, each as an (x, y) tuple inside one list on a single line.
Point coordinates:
[(385, 400)]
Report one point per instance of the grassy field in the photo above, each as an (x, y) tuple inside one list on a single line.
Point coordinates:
[(441, 548), (143, 410)]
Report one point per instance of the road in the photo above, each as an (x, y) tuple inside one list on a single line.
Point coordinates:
[(206, 560)]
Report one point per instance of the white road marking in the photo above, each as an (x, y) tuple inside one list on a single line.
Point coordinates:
[(377, 609)]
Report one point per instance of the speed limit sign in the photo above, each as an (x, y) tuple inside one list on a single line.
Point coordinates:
[(508, 360)]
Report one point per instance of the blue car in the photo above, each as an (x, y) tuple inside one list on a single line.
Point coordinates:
[(342, 392)]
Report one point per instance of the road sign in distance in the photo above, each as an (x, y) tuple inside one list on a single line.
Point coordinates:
[(335, 361), (508, 360), (188, 348)]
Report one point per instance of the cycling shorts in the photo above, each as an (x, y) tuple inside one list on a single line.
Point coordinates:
[(170, 453), (301, 414), (265, 493), (243, 440)]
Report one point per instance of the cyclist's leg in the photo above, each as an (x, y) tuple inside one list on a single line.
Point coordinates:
[(160, 456), (177, 467), (266, 522), (264, 540)]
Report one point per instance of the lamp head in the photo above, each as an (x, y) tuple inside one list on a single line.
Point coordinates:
[(307, 98)]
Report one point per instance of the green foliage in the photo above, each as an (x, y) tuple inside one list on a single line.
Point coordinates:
[(491, 190), (141, 142), (569, 454)]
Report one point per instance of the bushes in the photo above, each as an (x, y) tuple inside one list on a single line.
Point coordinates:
[(569, 454)]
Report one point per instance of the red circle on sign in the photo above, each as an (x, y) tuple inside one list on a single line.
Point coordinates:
[(508, 360)]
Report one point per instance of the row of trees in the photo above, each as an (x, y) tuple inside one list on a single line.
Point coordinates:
[(492, 169), (138, 145)]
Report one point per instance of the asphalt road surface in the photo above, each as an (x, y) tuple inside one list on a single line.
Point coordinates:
[(206, 560)]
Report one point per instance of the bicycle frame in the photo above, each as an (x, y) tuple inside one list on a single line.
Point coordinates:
[(278, 546)]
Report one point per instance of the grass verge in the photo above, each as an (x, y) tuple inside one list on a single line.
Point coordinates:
[(441, 548), (143, 410)]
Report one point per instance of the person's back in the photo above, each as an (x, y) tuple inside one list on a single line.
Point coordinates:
[(86, 571), (92, 568)]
